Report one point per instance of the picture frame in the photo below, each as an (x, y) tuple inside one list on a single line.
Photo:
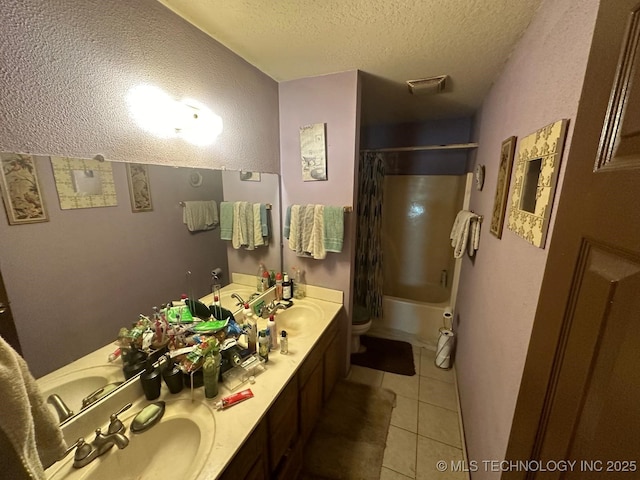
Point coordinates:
[(313, 152), (507, 152), (84, 182), (139, 187), (21, 192), (536, 175)]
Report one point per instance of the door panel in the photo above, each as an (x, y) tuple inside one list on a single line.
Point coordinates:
[(580, 392)]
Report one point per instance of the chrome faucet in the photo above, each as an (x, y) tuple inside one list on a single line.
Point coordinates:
[(241, 302), (270, 309), (62, 410), (85, 453)]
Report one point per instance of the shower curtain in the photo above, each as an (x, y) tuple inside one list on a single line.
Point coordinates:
[(368, 268)]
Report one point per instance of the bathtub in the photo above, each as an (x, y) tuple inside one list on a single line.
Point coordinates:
[(420, 319)]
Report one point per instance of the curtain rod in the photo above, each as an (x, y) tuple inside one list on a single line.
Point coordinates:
[(453, 146)]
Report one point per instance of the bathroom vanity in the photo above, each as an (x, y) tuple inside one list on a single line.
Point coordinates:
[(262, 437)]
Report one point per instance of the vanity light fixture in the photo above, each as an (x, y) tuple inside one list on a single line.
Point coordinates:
[(159, 114)]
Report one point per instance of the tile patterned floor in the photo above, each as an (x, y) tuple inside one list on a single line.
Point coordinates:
[(425, 424)]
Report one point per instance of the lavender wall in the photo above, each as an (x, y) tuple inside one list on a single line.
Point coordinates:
[(334, 100), (540, 84), (67, 66), (76, 280)]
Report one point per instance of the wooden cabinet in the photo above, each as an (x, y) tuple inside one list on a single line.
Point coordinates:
[(275, 449), (332, 366), (250, 463), (282, 421)]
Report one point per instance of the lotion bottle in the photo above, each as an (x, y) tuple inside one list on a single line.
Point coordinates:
[(273, 332), (287, 288)]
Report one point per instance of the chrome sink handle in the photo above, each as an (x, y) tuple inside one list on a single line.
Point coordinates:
[(115, 425)]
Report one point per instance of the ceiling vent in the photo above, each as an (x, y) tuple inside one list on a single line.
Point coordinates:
[(427, 86)]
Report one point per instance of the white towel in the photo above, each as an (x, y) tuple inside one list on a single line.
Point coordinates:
[(27, 424), (465, 227), (294, 225), (236, 232), (200, 215), (258, 239), (307, 229), (317, 236)]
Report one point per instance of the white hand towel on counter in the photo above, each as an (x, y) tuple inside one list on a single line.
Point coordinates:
[(200, 215), (27, 425)]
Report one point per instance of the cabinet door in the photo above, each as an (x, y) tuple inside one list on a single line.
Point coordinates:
[(311, 402), (283, 424), (250, 463), (332, 367)]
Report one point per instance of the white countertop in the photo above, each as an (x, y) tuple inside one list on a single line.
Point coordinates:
[(231, 427)]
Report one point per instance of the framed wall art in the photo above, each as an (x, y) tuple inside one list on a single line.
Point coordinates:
[(313, 152), (536, 174), (21, 191), (84, 183), (502, 187), (139, 187)]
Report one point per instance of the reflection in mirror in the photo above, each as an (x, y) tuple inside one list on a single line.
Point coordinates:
[(74, 281), (530, 187)]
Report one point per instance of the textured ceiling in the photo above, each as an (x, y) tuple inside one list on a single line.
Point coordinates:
[(390, 41)]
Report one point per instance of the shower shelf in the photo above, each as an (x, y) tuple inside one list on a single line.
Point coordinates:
[(453, 146)]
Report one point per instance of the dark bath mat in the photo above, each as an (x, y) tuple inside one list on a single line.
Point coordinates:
[(387, 355), (349, 440)]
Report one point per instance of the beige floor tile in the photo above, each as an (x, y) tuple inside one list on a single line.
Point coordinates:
[(439, 424), (428, 367), (405, 414), (365, 375), (430, 452), (388, 474), (402, 384), (437, 392), (400, 454), (416, 359)]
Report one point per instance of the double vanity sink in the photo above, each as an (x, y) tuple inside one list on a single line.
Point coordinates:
[(192, 439)]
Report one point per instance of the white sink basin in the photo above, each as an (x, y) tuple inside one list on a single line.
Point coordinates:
[(294, 318), (72, 387), (176, 447)]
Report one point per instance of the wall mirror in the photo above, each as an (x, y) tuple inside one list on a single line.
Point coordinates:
[(75, 280), (536, 174)]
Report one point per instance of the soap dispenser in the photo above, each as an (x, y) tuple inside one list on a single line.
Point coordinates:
[(150, 380)]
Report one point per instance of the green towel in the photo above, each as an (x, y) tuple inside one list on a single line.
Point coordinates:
[(226, 220), (333, 228)]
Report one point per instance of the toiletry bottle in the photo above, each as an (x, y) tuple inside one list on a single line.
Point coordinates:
[(210, 373), (287, 288), (265, 281), (278, 286), (263, 349), (261, 271), (273, 332), (253, 328), (272, 278), (299, 290), (284, 343)]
